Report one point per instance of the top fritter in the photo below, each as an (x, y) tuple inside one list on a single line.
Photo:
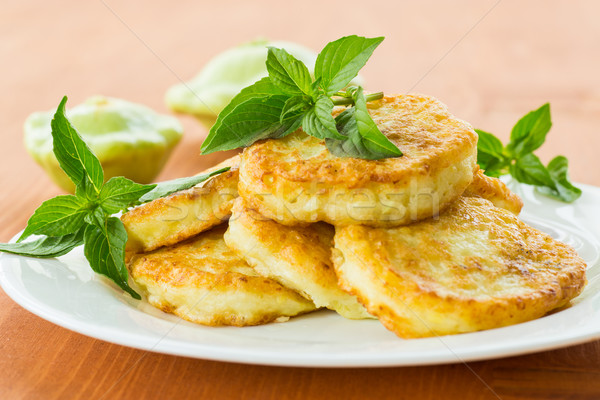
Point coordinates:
[(296, 180)]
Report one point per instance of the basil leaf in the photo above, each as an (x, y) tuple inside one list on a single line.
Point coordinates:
[(529, 133), (73, 154), (489, 144), (288, 73), (45, 247), (293, 112), (58, 216), (315, 86), (261, 88), (68, 221), (293, 124), (85, 190), (340, 60), (319, 122), (529, 169), (355, 143), (490, 157), (493, 167), (119, 193), (97, 216), (253, 119), (564, 190), (295, 106), (373, 139), (163, 189), (290, 94), (104, 248), (352, 145)]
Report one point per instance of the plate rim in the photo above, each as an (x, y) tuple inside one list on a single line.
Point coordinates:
[(169, 346)]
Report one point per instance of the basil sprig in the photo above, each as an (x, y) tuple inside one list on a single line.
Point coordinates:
[(517, 157), (289, 98), (67, 221)]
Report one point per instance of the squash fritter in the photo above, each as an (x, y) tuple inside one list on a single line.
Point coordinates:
[(296, 180), (297, 257), (494, 190), (181, 215), (201, 280), (474, 267)]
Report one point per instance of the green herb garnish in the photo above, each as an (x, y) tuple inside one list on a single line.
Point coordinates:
[(67, 221), (517, 157), (289, 98)]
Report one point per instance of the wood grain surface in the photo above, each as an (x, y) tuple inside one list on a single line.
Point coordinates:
[(490, 61)]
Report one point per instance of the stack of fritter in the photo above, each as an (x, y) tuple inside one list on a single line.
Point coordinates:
[(424, 242)]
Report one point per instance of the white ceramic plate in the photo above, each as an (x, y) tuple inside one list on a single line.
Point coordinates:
[(66, 292)]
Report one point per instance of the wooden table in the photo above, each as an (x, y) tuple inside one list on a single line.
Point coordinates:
[(490, 61)]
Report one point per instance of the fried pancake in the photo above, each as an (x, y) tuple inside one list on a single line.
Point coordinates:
[(474, 267), (174, 218), (203, 281), (494, 190), (297, 257), (296, 180)]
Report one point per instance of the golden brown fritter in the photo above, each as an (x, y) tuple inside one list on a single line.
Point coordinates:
[(174, 218), (494, 190), (296, 180), (297, 257), (474, 267), (203, 281)]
